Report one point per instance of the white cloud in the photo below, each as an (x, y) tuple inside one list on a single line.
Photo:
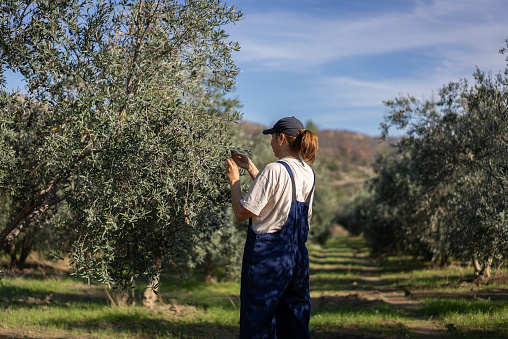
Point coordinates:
[(341, 92), (296, 41)]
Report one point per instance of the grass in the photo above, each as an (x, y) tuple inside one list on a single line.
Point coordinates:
[(350, 297), (68, 308), (35, 287), (471, 317), (82, 319)]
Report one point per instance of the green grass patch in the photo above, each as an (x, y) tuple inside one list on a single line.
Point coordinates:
[(132, 321), (193, 291), (21, 290), (453, 278), (189, 308), (467, 316), (332, 282), (419, 279), (378, 319)]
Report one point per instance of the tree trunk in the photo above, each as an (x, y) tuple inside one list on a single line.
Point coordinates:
[(11, 249), (151, 294), (26, 249), (209, 269), (476, 265), (120, 297), (485, 272), (445, 261), (482, 269)]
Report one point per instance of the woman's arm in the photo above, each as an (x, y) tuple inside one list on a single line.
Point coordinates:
[(241, 213)]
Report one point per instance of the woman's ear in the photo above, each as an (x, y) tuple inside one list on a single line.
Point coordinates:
[(281, 139)]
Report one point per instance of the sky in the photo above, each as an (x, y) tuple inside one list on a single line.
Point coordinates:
[(334, 62)]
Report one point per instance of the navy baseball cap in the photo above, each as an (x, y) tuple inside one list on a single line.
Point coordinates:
[(288, 125)]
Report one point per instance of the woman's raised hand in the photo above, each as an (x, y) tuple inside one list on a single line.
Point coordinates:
[(244, 162), (241, 160)]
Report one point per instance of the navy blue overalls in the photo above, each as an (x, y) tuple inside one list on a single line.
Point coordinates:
[(274, 291)]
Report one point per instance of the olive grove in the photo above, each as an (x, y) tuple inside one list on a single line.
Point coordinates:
[(119, 125), (444, 193)]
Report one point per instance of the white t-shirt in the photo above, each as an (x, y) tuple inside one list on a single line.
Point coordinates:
[(270, 195)]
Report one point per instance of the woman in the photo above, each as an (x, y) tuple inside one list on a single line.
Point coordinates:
[(275, 269)]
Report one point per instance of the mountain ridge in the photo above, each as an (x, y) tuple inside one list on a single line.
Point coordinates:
[(357, 147)]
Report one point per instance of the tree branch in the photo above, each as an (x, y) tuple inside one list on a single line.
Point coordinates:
[(45, 199), (29, 210), (48, 202)]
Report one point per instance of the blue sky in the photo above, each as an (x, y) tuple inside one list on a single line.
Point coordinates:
[(335, 61)]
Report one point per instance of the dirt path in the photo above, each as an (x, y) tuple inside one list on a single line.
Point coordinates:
[(401, 299), (368, 290)]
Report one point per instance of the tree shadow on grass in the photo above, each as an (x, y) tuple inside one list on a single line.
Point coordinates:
[(481, 318), (427, 282), (402, 266), (341, 265), (340, 260), (446, 305), (454, 280), (343, 269), (344, 283), (12, 295), (361, 263), (486, 295), (39, 269), (146, 326), (356, 316)]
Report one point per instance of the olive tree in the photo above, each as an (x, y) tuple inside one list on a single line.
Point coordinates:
[(118, 121), (457, 148)]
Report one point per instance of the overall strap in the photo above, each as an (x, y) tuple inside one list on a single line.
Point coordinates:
[(312, 189), (292, 177)]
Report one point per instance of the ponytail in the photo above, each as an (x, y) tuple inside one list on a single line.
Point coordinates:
[(306, 143)]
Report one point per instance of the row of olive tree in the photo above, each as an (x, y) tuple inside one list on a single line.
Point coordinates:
[(119, 124), (445, 192)]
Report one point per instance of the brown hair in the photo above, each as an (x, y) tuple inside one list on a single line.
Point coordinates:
[(306, 143)]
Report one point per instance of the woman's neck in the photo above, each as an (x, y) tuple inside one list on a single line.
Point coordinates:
[(286, 153)]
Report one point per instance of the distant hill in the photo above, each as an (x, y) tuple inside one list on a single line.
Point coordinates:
[(359, 148), (251, 128), (356, 147)]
